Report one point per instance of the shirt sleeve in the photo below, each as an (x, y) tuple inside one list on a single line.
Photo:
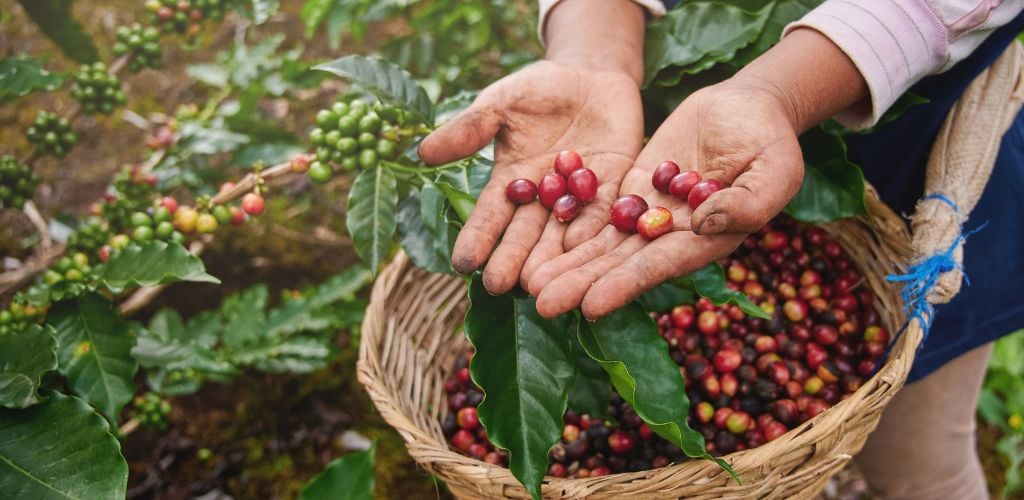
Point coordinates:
[(895, 43), (654, 7)]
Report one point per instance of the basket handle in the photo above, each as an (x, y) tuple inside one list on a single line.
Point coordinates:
[(959, 167)]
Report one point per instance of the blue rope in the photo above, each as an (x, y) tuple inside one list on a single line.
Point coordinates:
[(921, 278)]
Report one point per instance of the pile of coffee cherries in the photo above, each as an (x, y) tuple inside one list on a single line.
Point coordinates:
[(564, 192), (17, 183), (142, 45), (686, 186), (749, 380), (51, 134), (97, 90)]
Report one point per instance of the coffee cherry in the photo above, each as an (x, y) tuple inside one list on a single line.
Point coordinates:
[(727, 360), (96, 89), (702, 190), (141, 44), (708, 323), (582, 183), (253, 204), (774, 430), (319, 172), (463, 439), (876, 334), (626, 211), (467, 418), (51, 135), (17, 183), (185, 219), (621, 442), (681, 184), (566, 208), (654, 223), (552, 187), (663, 175), (738, 422), (521, 191), (683, 316), (567, 162)]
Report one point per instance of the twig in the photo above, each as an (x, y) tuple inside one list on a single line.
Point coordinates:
[(39, 222), (249, 182), (128, 427), (35, 264)]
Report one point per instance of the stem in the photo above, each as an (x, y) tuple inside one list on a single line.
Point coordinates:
[(398, 167)]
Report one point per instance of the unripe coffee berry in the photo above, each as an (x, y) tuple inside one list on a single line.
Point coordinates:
[(583, 184), (702, 190), (521, 191), (654, 223), (663, 175), (626, 211), (567, 162), (681, 185), (567, 208), (552, 187)]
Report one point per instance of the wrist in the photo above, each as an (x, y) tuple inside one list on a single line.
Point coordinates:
[(602, 36)]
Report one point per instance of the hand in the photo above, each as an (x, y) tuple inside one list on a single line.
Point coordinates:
[(738, 132), (532, 115)]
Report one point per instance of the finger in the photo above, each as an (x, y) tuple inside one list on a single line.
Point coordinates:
[(486, 223), (593, 218), (467, 133), (674, 254), (756, 195), (548, 248), (502, 271), (607, 240), (566, 291)]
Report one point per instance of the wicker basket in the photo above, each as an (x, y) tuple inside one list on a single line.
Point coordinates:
[(411, 337)]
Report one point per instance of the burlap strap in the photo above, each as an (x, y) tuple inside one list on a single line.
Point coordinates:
[(961, 162)]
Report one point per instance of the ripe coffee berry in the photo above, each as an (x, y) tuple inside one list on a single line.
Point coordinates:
[(551, 188), (702, 190), (467, 418), (583, 184), (521, 191), (626, 211), (681, 185), (654, 223), (663, 175), (253, 204), (567, 162), (567, 208)]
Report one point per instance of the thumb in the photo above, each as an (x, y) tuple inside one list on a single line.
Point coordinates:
[(467, 133)]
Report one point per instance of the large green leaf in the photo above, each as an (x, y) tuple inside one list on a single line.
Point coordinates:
[(347, 478), (417, 239), (54, 17), (785, 12), (291, 355), (372, 217), (25, 356), (95, 352), (709, 281), (666, 296), (697, 35), (391, 84), (168, 344), (627, 345), (524, 365), (244, 316), (833, 187), (20, 76), (592, 389), (156, 263), (59, 449), (470, 177)]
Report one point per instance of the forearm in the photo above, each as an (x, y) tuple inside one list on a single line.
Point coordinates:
[(606, 35), (810, 75)]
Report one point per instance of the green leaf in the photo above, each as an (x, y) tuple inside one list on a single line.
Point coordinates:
[(347, 478), (198, 139), (524, 366), (55, 19), (785, 12), (168, 344), (417, 240), (709, 281), (291, 355), (666, 296), (696, 35), (263, 10), (471, 176), (592, 389), (271, 153), (372, 217), (25, 356), (156, 263), (95, 352), (244, 316), (833, 187), (20, 76), (59, 449), (627, 345), (391, 84)]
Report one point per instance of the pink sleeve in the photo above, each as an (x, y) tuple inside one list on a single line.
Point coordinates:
[(895, 43)]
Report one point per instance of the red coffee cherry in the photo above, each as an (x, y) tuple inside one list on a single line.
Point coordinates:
[(626, 211), (681, 185), (702, 190), (663, 174), (567, 162), (583, 184), (253, 204), (521, 191), (567, 208), (654, 223), (552, 187)]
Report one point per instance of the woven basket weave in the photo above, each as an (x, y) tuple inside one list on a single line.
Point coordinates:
[(411, 336)]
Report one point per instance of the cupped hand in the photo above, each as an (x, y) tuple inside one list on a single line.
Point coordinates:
[(740, 133), (531, 115)]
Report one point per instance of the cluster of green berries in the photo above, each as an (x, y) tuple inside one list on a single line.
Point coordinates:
[(51, 134), (152, 411), (19, 315), (90, 237), (185, 16), (156, 225), (97, 90), (17, 183), (133, 192), (74, 271), (353, 134), (142, 45)]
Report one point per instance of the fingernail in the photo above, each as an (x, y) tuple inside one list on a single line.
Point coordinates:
[(713, 224)]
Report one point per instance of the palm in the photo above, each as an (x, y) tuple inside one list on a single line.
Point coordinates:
[(726, 134), (531, 115)]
